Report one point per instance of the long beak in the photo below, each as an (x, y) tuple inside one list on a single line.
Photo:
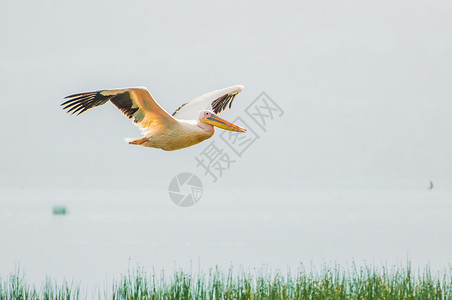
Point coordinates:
[(222, 123)]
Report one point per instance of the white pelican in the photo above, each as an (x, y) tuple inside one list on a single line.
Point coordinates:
[(190, 124)]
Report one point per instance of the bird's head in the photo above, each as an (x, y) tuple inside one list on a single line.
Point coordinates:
[(208, 117)]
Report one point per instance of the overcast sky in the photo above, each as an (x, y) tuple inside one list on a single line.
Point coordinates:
[(365, 88)]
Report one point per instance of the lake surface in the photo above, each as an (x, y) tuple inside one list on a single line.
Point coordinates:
[(106, 232)]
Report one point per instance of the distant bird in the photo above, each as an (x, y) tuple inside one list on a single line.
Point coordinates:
[(190, 124), (431, 185)]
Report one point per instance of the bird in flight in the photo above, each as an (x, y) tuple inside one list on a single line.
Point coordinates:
[(190, 124)]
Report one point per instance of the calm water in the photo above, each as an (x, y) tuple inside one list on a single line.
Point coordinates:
[(105, 232)]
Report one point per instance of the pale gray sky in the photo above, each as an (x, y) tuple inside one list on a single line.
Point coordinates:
[(366, 93), (365, 88)]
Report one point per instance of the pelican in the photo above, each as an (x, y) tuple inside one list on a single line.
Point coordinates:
[(190, 124)]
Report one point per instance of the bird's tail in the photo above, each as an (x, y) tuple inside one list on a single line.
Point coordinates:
[(136, 141)]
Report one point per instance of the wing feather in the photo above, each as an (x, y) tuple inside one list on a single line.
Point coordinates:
[(217, 101), (136, 103)]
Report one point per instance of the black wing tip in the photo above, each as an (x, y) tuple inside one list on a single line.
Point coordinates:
[(177, 110), (79, 103), (220, 104), (66, 102), (81, 94)]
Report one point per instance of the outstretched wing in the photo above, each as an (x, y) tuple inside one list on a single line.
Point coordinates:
[(217, 100), (136, 103)]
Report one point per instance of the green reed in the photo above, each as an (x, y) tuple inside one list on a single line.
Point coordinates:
[(330, 282)]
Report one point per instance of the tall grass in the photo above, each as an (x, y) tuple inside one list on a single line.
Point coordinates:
[(331, 282), (16, 287)]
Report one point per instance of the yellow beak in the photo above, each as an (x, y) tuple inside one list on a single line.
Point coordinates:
[(222, 123)]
